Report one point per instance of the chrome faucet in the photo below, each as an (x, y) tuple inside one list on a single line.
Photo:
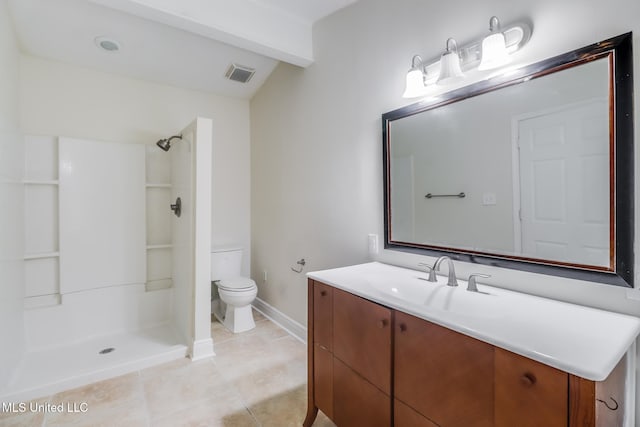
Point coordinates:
[(431, 271), (452, 272)]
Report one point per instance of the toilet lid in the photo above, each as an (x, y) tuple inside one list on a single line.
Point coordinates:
[(236, 284)]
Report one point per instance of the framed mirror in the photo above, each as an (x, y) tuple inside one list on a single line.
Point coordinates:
[(531, 170)]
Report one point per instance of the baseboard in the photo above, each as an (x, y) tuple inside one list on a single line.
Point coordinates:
[(202, 349), (284, 321)]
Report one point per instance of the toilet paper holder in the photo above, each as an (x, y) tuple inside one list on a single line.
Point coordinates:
[(301, 263)]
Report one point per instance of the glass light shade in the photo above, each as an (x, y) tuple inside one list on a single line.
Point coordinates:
[(415, 84), (450, 68), (494, 52)]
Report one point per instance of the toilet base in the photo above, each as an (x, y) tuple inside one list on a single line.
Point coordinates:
[(239, 319)]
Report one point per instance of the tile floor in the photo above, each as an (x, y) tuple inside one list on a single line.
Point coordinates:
[(257, 378)]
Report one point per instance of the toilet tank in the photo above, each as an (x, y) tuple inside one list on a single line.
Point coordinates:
[(226, 263)]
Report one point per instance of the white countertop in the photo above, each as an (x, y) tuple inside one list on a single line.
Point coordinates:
[(583, 341)]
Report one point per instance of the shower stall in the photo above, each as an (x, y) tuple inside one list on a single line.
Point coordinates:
[(116, 265)]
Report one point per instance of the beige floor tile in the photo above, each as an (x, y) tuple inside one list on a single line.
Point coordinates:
[(103, 394), (165, 368), (269, 330), (323, 421), (257, 378), (289, 349), (183, 387), (257, 316), (23, 410), (245, 355), (263, 325), (221, 334), (274, 380), (25, 419), (282, 410), (222, 411), (132, 413)]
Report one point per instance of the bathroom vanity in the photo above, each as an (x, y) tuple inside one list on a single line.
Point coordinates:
[(386, 347)]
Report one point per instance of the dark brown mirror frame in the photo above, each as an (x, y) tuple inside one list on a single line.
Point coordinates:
[(622, 165)]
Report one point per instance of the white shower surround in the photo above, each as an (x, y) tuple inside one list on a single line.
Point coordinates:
[(145, 325)]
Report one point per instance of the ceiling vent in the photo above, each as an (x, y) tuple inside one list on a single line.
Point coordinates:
[(239, 73)]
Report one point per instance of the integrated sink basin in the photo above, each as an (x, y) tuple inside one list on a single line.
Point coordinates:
[(455, 300)]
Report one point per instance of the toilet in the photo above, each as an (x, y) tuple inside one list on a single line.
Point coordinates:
[(233, 308)]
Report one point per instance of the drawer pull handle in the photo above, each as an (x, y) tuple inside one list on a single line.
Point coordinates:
[(611, 408), (382, 323), (323, 293), (528, 380), (403, 327)]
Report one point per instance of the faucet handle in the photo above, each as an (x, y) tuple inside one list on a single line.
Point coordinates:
[(471, 286), (430, 270)]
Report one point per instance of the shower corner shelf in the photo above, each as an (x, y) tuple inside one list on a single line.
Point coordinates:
[(158, 284), (157, 185), (40, 182), (165, 246), (41, 301), (41, 255)]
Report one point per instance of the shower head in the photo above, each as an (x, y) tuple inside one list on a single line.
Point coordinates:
[(165, 144)]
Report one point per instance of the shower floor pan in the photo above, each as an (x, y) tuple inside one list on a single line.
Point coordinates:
[(46, 372)]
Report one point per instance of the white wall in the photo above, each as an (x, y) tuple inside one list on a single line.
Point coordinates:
[(12, 202), (316, 133), (61, 99), (317, 145)]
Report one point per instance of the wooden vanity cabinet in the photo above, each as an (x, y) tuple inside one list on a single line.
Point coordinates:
[(443, 375), (599, 404), (350, 365), (362, 338), (404, 415), (323, 315), (528, 393), (362, 361), (357, 401), (321, 357), (373, 366)]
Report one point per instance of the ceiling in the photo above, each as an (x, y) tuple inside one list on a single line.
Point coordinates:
[(184, 43)]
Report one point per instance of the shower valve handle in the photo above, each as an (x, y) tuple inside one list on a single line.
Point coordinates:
[(177, 207)]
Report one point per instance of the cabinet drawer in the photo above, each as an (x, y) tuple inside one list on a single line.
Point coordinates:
[(444, 375), (528, 393), (362, 337), (356, 401), (323, 379), (323, 315)]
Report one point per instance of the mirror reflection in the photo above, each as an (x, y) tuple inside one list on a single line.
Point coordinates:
[(532, 161)]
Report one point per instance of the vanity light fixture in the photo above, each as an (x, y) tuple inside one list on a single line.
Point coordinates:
[(419, 78), (494, 48), (415, 79), (485, 53), (450, 70)]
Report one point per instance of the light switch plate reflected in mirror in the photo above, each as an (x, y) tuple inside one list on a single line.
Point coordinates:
[(488, 199)]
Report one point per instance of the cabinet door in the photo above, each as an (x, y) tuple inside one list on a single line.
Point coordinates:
[(528, 393), (362, 337), (357, 402), (323, 315), (444, 375), (404, 416), (323, 379)]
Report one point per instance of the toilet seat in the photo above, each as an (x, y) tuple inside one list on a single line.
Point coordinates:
[(236, 284)]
